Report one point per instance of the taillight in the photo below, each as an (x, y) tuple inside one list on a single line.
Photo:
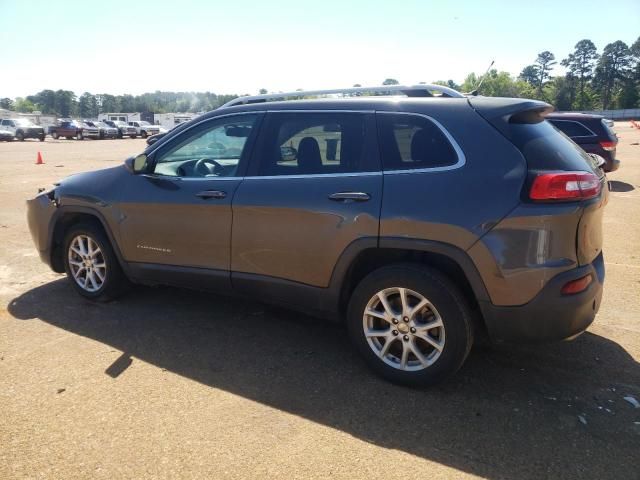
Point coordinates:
[(608, 146), (577, 286), (565, 186)]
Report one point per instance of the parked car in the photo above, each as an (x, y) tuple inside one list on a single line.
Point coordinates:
[(87, 130), (66, 128), (144, 129), (5, 135), (592, 132), (163, 131), (22, 128), (417, 221), (123, 128), (105, 131)]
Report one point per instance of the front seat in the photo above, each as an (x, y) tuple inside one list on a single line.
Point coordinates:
[(309, 159)]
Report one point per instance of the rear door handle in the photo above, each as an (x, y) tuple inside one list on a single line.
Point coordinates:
[(207, 194), (349, 197)]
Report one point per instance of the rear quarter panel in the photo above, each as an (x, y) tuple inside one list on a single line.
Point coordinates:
[(460, 205)]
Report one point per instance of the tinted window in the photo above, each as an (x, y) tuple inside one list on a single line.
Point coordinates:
[(313, 143), (547, 149), (412, 141), (211, 150), (571, 128)]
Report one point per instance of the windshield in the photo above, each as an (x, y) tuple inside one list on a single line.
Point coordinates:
[(145, 123)]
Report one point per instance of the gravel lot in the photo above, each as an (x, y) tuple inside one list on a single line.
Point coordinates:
[(166, 383)]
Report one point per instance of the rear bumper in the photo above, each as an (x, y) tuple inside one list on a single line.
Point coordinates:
[(549, 315)]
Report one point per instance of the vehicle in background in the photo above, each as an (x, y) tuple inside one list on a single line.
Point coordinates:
[(163, 131), (591, 132), (5, 135), (122, 127), (105, 130), (65, 128), (88, 130), (144, 129), (22, 128), (512, 245), (609, 123)]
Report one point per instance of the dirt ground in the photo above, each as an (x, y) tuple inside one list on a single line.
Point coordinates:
[(166, 383)]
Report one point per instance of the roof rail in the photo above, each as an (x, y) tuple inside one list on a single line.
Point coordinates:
[(422, 90)]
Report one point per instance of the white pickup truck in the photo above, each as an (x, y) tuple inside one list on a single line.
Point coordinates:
[(22, 128), (144, 129)]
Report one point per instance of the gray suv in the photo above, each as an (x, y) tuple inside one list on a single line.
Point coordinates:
[(419, 221)]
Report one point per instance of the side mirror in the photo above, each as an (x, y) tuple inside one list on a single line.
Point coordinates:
[(136, 164)]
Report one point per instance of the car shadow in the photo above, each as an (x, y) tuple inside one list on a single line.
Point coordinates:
[(552, 411), (618, 186)]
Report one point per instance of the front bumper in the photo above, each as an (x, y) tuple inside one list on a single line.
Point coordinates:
[(40, 213), (550, 315)]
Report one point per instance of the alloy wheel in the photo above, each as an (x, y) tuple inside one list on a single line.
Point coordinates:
[(403, 329), (87, 263)]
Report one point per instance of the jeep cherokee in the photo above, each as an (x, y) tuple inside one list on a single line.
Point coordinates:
[(419, 222)]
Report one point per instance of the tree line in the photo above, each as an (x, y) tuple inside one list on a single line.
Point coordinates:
[(593, 81)]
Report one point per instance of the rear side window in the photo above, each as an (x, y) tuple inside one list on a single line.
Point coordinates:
[(413, 142), (306, 143), (571, 128), (547, 149)]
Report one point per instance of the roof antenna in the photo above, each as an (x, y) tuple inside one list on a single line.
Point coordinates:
[(475, 91)]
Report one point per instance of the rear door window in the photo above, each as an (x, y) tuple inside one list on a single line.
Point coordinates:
[(310, 143), (410, 142), (571, 128)]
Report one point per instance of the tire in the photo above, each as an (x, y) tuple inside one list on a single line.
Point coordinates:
[(55, 135), (69, 138), (120, 134), (113, 279), (80, 135), (20, 136), (449, 313), (133, 136), (143, 134), (41, 138)]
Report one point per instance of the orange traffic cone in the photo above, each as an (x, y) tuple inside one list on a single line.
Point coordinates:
[(39, 160)]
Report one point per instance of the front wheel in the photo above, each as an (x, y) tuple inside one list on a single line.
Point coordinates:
[(80, 136), (55, 135), (143, 134), (410, 324), (20, 136), (91, 265), (41, 138)]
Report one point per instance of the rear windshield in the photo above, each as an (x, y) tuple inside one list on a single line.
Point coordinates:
[(545, 148), (608, 129)]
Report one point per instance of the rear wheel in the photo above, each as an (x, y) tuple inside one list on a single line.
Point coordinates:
[(41, 137), (410, 324), (80, 135), (132, 136), (143, 134), (91, 265)]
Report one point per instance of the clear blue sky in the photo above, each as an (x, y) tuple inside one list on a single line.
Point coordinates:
[(136, 46)]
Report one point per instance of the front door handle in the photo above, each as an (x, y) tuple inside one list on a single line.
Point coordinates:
[(207, 194), (349, 197)]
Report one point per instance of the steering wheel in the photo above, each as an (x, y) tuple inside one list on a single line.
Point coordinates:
[(202, 167)]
